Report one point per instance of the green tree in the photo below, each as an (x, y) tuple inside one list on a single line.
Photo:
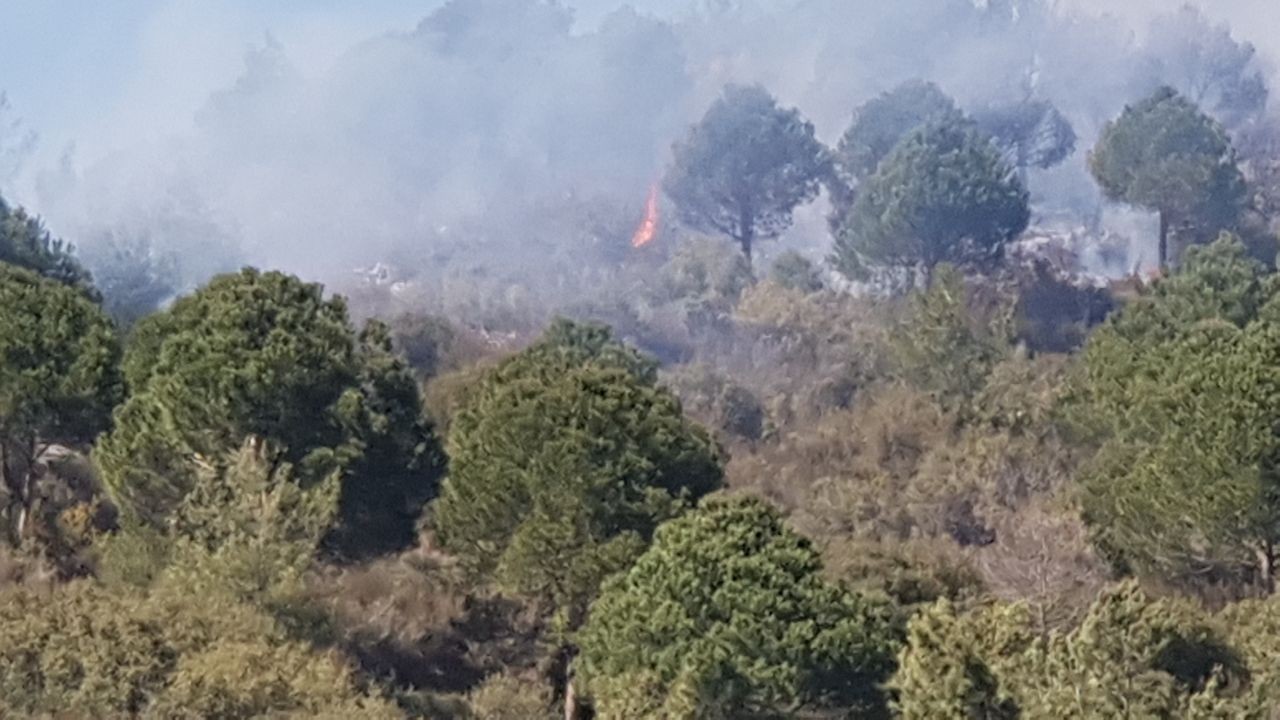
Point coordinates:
[(943, 195), (941, 347), (1183, 389), (246, 527), (1165, 155), (59, 380), (26, 243), (562, 462), (944, 671), (266, 354), (728, 615), (882, 122), (745, 167)]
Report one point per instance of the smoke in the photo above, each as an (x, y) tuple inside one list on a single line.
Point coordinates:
[(339, 139)]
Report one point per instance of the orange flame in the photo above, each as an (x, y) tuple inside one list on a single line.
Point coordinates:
[(649, 227)]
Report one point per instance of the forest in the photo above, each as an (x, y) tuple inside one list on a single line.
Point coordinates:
[(971, 448)]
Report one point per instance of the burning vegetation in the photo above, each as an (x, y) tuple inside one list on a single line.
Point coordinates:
[(648, 229)]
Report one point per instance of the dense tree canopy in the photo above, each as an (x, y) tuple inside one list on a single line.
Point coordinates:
[(1131, 656), (882, 122), (266, 354), (59, 380), (745, 167), (943, 195), (25, 242), (563, 461), (1182, 386), (728, 615), (1165, 155)]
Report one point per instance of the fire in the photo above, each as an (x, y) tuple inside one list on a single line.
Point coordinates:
[(649, 227)]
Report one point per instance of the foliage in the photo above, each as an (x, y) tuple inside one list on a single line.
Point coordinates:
[(941, 347), (794, 271), (503, 697), (943, 672), (745, 167), (59, 379), (25, 242), (88, 651), (562, 463), (265, 354), (943, 195), (1182, 387), (727, 615), (706, 276), (1130, 657), (909, 575), (247, 528), (1055, 312), (425, 341), (1165, 155), (882, 122), (718, 401)]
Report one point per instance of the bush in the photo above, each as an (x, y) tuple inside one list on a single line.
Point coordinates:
[(503, 697), (795, 272), (87, 651)]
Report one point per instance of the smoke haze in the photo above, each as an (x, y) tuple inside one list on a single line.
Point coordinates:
[(315, 137)]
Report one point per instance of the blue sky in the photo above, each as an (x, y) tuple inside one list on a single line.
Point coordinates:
[(63, 62), (89, 72)]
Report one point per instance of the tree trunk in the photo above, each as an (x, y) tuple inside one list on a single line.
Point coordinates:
[(6, 475), (746, 231), (1163, 250), (16, 474), (570, 699), (1266, 568)]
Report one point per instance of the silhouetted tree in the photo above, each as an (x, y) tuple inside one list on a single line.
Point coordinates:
[(882, 122), (1032, 134), (943, 195), (745, 167), (1165, 155)]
